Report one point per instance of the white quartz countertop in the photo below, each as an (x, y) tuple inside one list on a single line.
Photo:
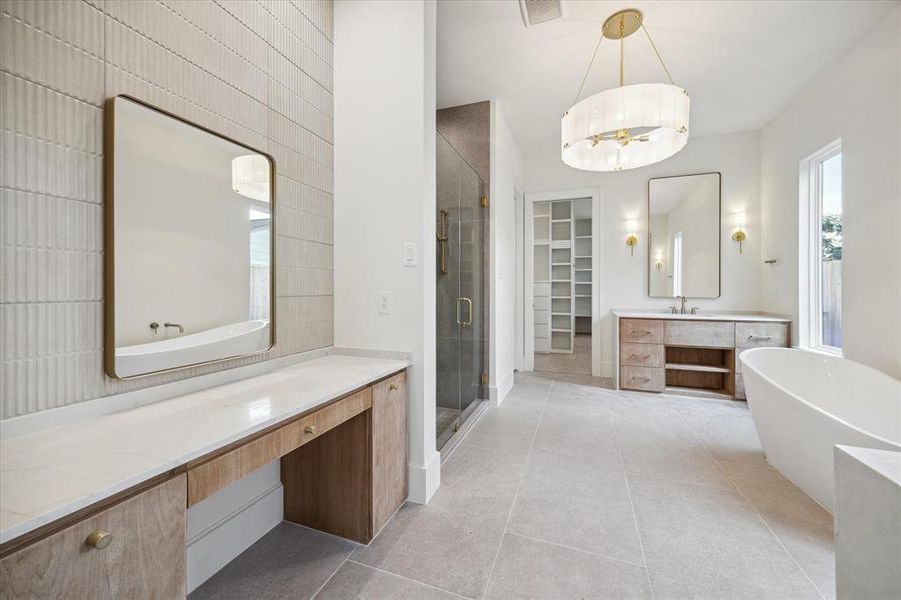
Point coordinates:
[(701, 316), (51, 473)]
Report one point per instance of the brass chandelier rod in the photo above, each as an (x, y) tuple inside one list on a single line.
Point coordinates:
[(622, 36), (657, 52), (588, 70)]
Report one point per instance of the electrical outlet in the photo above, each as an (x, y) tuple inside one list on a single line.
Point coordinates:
[(384, 303)]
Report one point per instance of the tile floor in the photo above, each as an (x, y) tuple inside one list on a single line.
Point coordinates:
[(571, 490), (579, 362)]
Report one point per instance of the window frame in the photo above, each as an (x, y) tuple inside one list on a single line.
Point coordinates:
[(811, 248)]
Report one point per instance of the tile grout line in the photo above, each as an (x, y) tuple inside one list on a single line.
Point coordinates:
[(574, 549), (759, 516), (522, 476), (622, 463), (404, 577)]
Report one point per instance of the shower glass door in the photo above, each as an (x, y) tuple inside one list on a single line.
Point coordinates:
[(461, 283)]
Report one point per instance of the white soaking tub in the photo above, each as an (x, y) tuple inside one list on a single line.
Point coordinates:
[(804, 403)]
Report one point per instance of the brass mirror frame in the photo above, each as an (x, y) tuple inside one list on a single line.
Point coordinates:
[(109, 239), (719, 237)]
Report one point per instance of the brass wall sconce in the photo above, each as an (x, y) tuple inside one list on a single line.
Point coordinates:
[(632, 238), (740, 236), (441, 236), (658, 263)]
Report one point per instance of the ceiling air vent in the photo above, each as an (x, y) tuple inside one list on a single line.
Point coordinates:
[(539, 11)]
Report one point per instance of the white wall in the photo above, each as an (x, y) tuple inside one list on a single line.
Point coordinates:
[(385, 196), (857, 100), (506, 173), (624, 197)]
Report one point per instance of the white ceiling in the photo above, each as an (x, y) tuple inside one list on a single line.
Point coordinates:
[(740, 61)]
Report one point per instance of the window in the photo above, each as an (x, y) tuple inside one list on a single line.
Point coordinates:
[(821, 249), (677, 264)]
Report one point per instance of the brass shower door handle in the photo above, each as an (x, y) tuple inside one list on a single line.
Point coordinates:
[(468, 322)]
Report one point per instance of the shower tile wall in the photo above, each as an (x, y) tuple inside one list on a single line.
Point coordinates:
[(257, 71)]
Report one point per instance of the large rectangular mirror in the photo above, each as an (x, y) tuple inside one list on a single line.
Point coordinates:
[(189, 270), (684, 236)]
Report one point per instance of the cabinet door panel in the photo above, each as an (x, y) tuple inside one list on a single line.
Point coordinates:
[(144, 559), (389, 448)]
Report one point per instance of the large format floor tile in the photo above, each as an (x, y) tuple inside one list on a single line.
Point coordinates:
[(572, 490), (288, 562), (533, 569)]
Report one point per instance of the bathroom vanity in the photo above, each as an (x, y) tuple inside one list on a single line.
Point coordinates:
[(694, 354), (97, 508)]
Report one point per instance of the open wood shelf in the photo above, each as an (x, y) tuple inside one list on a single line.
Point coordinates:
[(690, 367)]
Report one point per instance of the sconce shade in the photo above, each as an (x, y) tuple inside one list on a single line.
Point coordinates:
[(250, 176)]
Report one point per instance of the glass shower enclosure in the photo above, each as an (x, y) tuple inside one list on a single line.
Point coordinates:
[(461, 291)]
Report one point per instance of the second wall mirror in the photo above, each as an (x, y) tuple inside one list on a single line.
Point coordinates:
[(189, 243), (684, 236)]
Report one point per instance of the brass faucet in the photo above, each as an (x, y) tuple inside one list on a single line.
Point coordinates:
[(181, 328), (682, 305)]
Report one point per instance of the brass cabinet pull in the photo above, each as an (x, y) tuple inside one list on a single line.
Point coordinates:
[(392, 386), (760, 338), (640, 379), (309, 429), (99, 539), (642, 333), (642, 357)]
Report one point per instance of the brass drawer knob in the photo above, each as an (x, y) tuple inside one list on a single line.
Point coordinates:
[(99, 539), (310, 429), (392, 386)]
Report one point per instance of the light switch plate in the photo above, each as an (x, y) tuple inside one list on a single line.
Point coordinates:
[(409, 254), (384, 303)]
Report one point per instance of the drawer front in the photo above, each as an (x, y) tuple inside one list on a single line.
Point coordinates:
[(761, 335), (647, 379), (144, 558), (211, 476), (642, 331), (710, 334), (641, 355), (739, 386)]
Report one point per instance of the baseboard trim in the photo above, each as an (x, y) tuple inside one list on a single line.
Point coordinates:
[(424, 479), (498, 393)]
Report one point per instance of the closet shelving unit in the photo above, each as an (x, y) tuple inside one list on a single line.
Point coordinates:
[(582, 274), (553, 277)]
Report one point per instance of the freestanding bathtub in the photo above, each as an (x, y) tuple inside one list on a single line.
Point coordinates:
[(803, 403)]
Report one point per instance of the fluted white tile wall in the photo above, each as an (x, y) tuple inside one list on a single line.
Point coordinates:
[(259, 71)]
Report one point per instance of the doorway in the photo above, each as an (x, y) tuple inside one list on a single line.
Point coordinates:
[(561, 299)]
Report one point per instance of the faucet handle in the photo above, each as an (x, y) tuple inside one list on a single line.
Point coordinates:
[(694, 310), (154, 326), (672, 309)]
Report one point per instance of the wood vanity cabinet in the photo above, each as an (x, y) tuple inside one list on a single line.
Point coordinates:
[(350, 481), (691, 356), (142, 557)]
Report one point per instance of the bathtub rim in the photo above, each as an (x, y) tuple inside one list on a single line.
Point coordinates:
[(781, 388)]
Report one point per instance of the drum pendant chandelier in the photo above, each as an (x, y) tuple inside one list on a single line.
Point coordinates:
[(629, 126)]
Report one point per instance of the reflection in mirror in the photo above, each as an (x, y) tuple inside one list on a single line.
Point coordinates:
[(191, 261), (684, 236)]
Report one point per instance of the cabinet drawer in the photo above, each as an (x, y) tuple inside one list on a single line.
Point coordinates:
[(144, 558), (760, 335), (643, 331), (211, 476), (641, 355), (643, 378), (709, 334)]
